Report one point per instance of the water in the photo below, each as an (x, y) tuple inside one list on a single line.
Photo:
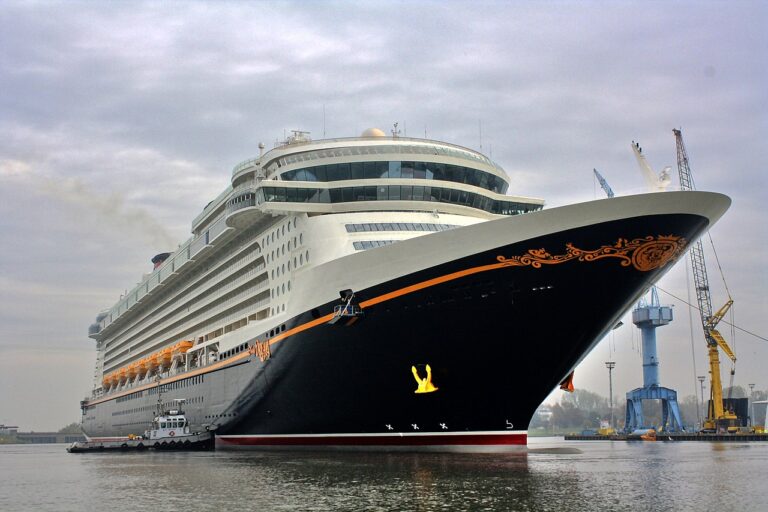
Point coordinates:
[(554, 475)]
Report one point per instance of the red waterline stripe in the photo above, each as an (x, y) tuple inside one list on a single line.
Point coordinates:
[(424, 440)]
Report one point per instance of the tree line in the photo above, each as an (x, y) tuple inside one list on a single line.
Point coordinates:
[(584, 409)]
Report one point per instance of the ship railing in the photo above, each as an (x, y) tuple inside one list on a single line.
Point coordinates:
[(253, 162)]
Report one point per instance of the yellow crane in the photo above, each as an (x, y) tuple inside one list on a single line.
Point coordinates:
[(718, 418)]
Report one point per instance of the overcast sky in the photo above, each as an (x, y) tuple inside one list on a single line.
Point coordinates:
[(119, 121)]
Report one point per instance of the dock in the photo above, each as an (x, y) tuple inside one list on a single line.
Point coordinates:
[(672, 436)]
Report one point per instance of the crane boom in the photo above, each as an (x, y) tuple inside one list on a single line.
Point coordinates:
[(604, 184), (716, 414)]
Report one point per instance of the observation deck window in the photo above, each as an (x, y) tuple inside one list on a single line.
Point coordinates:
[(398, 170), (398, 193)]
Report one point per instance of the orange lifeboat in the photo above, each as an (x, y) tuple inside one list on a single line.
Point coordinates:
[(165, 356), (109, 380), (122, 375), (181, 348), (143, 366), (132, 370)]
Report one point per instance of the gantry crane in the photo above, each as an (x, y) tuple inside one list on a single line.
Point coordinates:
[(718, 418)]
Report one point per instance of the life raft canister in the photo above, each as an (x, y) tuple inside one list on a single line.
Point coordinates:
[(171, 433)]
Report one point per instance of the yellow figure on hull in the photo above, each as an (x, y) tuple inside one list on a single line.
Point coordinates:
[(425, 384)]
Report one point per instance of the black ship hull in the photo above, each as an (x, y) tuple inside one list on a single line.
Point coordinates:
[(497, 341)]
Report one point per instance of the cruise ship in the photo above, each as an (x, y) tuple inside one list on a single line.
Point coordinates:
[(378, 293)]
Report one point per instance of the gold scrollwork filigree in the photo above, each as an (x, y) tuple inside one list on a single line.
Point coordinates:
[(262, 350), (644, 254)]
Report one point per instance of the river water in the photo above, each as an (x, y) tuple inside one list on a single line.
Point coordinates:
[(554, 475)]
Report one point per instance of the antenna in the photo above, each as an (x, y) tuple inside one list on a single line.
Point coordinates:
[(395, 131), (480, 130)]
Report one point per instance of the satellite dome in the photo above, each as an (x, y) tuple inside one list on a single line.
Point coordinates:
[(373, 132)]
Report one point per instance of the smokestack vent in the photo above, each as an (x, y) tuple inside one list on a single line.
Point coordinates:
[(159, 259)]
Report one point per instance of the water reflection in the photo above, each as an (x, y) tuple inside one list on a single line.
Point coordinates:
[(556, 476)]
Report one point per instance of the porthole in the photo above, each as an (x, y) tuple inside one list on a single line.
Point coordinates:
[(301, 259), (294, 262), (283, 268), (307, 256), (289, 226), (289, 245), (289, 265), (283, 229), (301, 238), (294, 222), (283, 287)]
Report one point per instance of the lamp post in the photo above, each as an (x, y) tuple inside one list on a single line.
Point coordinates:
[(701, 381), (750, 400), (610, 365)]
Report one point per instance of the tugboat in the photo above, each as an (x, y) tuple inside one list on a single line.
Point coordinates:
[(170, 430)]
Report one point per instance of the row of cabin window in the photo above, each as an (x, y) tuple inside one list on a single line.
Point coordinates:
[(189, 381), (370, 244), (134, 410), (395, 193), (234, 350), (398, 226), (125, 398), (398, 170), (277, 330)]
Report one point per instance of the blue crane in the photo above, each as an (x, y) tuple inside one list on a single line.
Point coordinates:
[(603, 183)]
